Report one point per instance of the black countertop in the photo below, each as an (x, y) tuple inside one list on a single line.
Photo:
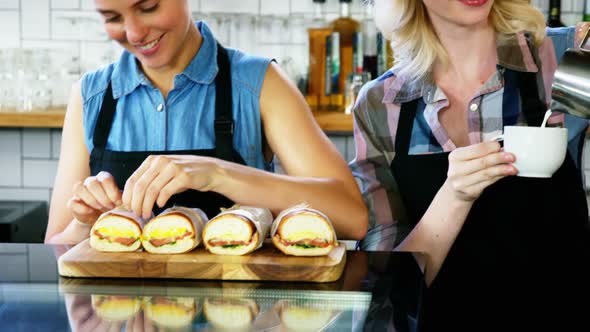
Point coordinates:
[(378, 291), (35, 298)]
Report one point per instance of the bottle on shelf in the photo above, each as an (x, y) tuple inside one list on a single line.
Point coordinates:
[(370, 34), (346, 27), (358, 50), (318, 31), (333, 58), (554, 20), (384, 55)]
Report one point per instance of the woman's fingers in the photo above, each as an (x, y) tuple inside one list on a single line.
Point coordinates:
[(474, 179), (81, 211), (176, 185), (94, 187), (79, 207), (155, 187), (474, 151), (140, 181), (145, 185), (110, 187), (473, 168), (475, 165), (132, 180), (99, 191), (82, 192), (160, 177)]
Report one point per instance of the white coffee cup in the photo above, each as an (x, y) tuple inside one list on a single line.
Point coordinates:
[(539, 151)]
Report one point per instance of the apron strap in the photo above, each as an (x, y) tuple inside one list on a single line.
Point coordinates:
[(224, 123), (533, 107), (105, 119), (404, 128)]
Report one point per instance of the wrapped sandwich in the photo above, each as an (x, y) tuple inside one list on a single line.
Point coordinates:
[(175, 230), (117, 230), (303, 231), (115, 308), (232, 314), (300, 317), (170, 312), (237, 231)]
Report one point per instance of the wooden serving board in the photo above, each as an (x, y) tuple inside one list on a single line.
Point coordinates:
[(265, 264)]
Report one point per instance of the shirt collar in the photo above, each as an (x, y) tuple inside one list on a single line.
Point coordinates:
[(513, 53), (202, 69)]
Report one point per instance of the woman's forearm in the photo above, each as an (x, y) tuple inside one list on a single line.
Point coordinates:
[(436, 232), (341, 203), (74, 233)]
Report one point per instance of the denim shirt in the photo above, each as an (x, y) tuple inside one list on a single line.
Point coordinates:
[(145, 121)]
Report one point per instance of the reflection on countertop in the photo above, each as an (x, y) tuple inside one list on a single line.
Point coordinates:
[(34, 297)]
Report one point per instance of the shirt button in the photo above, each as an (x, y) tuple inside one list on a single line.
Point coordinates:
[(473, 107), (160, 108)]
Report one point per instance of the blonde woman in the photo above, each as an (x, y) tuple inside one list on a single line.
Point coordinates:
[(432, 178)]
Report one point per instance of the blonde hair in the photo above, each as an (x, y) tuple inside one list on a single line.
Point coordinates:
[(416, 45)]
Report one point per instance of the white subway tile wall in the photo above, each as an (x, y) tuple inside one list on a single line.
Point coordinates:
[(9, 4), (37, 144), (55, 143), (16, 193), (72, 30), (65, 4), (10, 27), (38, 173), (274, 28), (11, 158), (35, 19)]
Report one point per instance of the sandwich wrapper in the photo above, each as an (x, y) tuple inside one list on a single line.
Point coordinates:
[(260, 217), (120, 211), (301, 208), (197, 217), (301, 315)]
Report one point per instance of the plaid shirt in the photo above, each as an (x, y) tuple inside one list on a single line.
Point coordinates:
[(376, 116)]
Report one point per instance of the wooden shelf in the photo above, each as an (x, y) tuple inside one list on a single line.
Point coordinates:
[(332, 121), (51, 118), (54, 118)]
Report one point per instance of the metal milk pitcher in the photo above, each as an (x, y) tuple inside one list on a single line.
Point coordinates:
[(571, 86)]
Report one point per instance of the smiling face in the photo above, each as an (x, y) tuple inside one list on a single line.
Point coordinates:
[(459, 12), (152, 30)]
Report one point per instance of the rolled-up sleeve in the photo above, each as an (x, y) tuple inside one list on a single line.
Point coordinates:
[(371, 169)]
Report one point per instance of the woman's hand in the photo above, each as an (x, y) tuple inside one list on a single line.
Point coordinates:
[(473, 168), (160, 177), (97, 194)]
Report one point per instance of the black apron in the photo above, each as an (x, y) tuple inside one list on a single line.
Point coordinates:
[(523, 234), (122, 164)]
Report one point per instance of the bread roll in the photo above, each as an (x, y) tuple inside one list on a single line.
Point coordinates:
[(115, 308), (303, 231), (237, 231), (117, 230), (231, 314), (297, 317), (175, 230), (170, 312)]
